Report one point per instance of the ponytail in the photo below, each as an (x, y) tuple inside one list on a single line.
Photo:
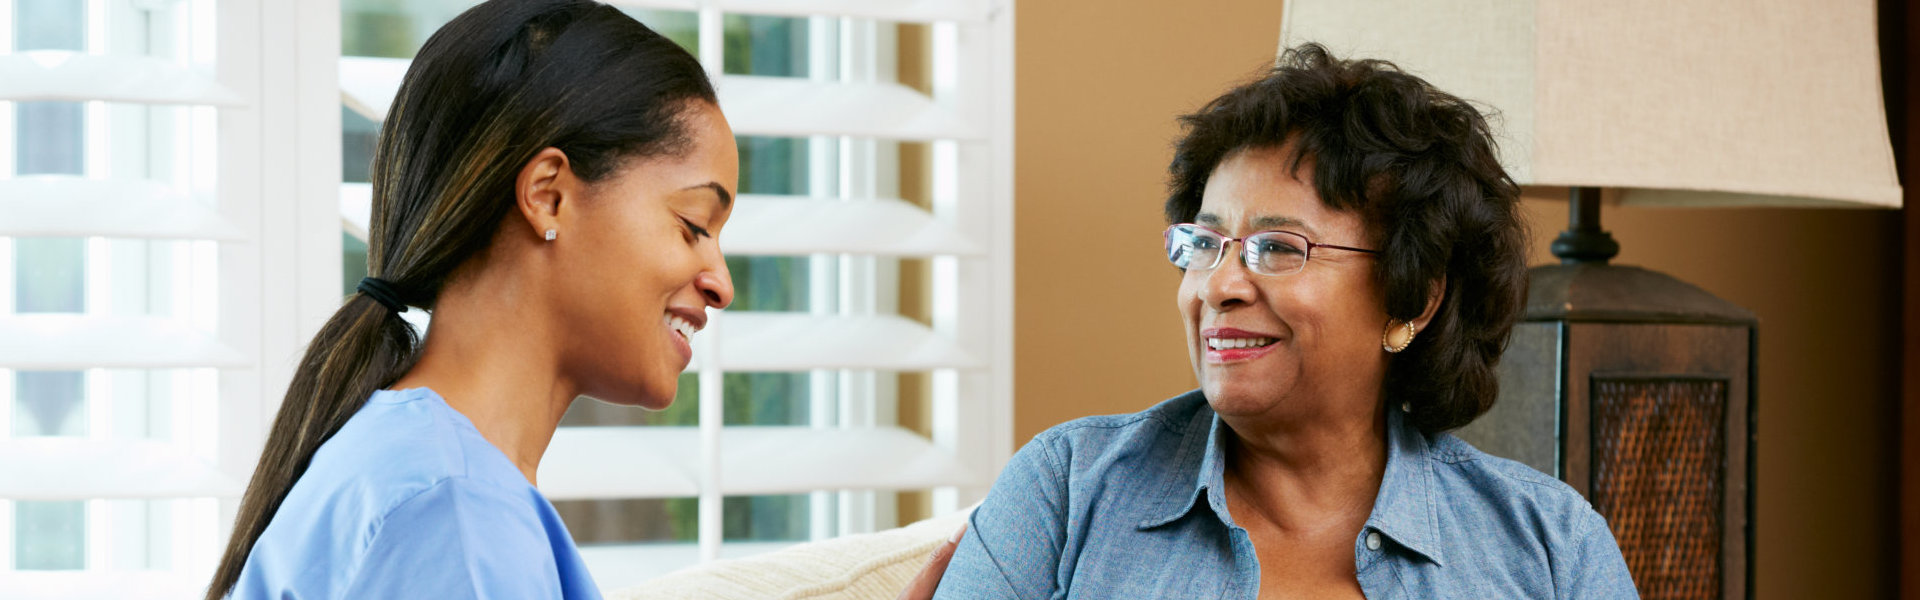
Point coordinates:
[(363, 348)]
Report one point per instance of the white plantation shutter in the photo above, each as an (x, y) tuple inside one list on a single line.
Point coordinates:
[(852, 446), (158, 253)]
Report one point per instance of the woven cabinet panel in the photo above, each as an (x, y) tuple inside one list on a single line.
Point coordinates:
[(1659, 473)]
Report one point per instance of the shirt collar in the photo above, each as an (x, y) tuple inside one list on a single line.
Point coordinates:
[(1199, 469), (1403, 510)]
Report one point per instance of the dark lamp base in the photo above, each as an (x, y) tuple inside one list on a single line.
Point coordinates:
[(1637, 389)]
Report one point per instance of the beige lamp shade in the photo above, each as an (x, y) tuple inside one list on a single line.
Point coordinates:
[(1692, 103)]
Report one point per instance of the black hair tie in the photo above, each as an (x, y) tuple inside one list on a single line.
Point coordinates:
[(382, 292)]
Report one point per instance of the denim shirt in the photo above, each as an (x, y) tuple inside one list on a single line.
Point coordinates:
[(1131, 506)]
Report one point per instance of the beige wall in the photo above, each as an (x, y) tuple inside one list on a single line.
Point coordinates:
[(1096, 96)]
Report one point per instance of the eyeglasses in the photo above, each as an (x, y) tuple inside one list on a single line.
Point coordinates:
[(1195, 248)]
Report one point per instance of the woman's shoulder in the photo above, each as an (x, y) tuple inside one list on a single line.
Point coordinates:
[(453, 537), (412, 439), (1178, 418), (1499, 494), (1151, 449), (1500, 477), (1501, 511), (400, 447), (400, 485)]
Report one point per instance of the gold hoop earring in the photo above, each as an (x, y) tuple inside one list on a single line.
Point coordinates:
[(1405, 337)]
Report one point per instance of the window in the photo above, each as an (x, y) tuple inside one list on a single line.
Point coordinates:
[(862, 377), (140, 340)]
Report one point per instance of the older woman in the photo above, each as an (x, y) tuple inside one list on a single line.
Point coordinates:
[(1351, 263)]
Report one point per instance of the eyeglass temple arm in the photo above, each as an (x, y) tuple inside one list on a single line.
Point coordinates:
[(1317, 245)]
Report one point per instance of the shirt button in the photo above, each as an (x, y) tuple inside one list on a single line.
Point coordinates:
[(1373, 540)]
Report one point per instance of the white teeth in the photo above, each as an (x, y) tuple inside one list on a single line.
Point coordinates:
[(1237, 343), (685, 328)]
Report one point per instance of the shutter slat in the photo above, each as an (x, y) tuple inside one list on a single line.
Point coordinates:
[(356, 209), (786, 225), (766, 225), (662, 462), (53, 468), (781, 341), (910, 11), (65, 206), (786, 106), (754, 105), (60, 75), (680, 5), (102, 585), (368, 85), (620, 462), (51, 342), (795, 460), (793, 225)]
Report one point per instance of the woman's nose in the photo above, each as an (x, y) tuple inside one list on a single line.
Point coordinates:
[(716, 283), (1228, 284)]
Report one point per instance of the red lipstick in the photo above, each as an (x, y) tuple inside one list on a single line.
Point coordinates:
[(1230, 355)]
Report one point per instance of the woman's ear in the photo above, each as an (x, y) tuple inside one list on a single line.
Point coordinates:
[(545, 182), (1436, 293)]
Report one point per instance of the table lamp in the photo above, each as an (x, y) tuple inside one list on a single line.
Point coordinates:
[(1632, 386)]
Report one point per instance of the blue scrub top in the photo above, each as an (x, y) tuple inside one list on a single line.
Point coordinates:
[(409, 501)]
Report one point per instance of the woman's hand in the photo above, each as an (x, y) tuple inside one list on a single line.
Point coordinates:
[(922, 586)]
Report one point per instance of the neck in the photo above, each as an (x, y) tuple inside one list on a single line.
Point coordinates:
[(1307, 475), (496, 368)]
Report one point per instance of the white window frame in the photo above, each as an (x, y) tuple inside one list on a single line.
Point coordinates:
[(243, 277)]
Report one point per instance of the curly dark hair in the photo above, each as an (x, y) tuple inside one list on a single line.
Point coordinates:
[(1419, 167)]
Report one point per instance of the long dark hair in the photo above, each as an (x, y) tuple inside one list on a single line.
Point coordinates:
[(489, 90)]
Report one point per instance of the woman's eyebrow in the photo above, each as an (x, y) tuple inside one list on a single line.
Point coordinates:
[(726, 198), (1263, 223), (1260, 223)]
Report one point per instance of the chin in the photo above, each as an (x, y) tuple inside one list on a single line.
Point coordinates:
[(659, 397), (1230, 401), (655, 396), (642, 392), (662, 401), (1240, 394), (648, 402)]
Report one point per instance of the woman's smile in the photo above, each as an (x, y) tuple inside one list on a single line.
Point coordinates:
[(1228, 345), (680, 330)]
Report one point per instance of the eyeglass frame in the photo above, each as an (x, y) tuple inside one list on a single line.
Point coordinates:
[(1167, 239)]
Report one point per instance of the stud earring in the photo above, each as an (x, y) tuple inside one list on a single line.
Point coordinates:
[(551, 233), (1397, 338)]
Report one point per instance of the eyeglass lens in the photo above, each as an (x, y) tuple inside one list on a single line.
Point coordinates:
[(1191, 247)]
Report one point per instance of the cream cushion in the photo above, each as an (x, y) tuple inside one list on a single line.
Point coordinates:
[(855, 567)]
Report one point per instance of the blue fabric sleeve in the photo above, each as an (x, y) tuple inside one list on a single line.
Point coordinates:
[(1014, 539), (1597, 569), (458, 539)]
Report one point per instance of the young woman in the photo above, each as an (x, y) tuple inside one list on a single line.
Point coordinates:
[(548, 184)]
